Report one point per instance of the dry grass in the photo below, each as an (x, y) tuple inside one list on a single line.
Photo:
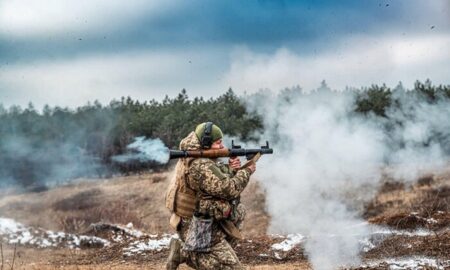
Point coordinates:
[(412, 207), (137, 199), (140, 199), (434, 246)]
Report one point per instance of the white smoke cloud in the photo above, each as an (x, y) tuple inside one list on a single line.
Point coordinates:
[(26, 165), (320, 152), (328, 160), (425, 133), (145, 150)]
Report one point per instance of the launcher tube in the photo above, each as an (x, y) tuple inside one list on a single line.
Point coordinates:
[(216, 153)]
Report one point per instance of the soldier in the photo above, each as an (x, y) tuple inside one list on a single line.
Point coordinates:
[(204, 200)]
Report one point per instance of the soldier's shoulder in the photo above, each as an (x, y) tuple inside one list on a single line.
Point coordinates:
[(200, 163)]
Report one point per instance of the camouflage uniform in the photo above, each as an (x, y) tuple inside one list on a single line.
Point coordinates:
[(219, 187)]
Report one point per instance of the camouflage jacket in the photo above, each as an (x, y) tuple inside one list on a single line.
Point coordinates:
[(217, 184)]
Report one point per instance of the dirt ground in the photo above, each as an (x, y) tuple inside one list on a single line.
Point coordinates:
[(139, 199), (49, 259)]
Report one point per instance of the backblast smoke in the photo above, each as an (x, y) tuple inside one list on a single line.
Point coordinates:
[(329, 160), (47, 164), (145, 150)]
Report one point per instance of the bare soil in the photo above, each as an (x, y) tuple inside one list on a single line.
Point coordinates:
[(140, 199)]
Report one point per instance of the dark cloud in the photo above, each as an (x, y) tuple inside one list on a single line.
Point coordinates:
[(266, 25), (146, 49)]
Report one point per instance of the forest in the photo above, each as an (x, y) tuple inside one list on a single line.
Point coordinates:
[(53, 144)]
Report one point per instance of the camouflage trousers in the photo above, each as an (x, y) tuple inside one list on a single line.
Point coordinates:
[(221, 256)]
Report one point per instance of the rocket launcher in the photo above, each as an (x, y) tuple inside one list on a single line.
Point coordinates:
[(234, 151)]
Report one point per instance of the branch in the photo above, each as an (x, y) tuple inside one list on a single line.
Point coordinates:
[(14, 257), (1, 251)]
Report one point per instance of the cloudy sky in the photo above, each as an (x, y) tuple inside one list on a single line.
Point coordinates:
[(67, 52)]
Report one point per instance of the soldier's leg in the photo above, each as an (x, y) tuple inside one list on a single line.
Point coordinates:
[(239, 215), (238, 218), (221, 256), (176, 254)]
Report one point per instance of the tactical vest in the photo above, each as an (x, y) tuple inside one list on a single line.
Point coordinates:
[(180, 199)]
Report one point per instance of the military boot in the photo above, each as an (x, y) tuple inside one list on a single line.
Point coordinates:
[(175, 256)]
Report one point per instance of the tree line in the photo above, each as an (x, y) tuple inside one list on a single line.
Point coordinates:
[(62, 143), (55, 144)]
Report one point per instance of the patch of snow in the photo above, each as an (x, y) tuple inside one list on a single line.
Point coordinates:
[(277, 256), (289, 243), (419, 263), (366, 244), (128, 229), (432, 221), (10, 226), (140, 246), (13, 232), (389, 232), (380, 234)]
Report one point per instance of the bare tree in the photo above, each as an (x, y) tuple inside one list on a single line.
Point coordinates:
[(14, 256), (1, 253)]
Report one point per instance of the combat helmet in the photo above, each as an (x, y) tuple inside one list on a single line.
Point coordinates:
[(207, 133)]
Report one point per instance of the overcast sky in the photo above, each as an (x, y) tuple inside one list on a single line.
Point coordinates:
[(68, 52)]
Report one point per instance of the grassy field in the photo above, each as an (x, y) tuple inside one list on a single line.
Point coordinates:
[(140, 199)]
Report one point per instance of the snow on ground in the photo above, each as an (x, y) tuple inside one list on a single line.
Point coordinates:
[(131, 231), (289, 243), (141, 246), (366, 244), (139, 243), (390, 232), (418, 263), (381, 233), (13, 232)]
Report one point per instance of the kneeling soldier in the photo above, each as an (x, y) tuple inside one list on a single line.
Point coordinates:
[(204, 200)]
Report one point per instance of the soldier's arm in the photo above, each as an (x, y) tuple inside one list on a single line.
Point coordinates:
[(227, 169), (217, 183)]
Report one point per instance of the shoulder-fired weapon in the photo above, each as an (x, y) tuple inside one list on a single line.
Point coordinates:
[(234, 151)]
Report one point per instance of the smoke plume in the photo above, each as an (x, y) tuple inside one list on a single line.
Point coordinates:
[(145, 150), (48, 164), (328, 160)]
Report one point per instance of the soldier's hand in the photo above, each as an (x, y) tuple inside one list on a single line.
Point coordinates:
[(234, 162), (252, 167)]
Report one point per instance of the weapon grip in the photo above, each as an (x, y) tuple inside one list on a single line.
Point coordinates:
[(254, 159)]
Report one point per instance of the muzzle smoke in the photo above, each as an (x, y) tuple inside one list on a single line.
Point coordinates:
[(329, 160), (145, 150)]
